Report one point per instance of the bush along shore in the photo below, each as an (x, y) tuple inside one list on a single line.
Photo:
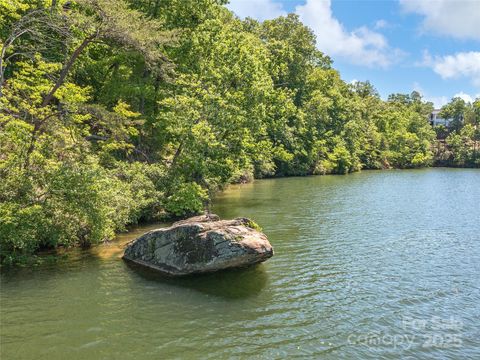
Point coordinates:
[(115, 112)]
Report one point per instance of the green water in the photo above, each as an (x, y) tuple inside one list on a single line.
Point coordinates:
[(371, 265)]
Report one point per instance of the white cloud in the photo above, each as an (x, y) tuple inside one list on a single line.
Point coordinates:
[(381, 24), (257, 9), (456, 18), (426, 61), (361, 46), (467, 97), (463, 64), (464, 96), (438, 101)]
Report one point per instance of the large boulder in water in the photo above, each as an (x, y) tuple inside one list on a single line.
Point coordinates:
[(200, 244)]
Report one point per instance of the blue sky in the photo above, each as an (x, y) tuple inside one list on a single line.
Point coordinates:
[(432, 46)]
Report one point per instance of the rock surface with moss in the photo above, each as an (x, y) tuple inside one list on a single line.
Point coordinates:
[(201, 244)]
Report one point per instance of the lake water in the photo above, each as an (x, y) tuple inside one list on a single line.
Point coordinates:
[(378, 264)]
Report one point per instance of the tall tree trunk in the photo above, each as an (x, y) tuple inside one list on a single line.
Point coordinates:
[(2, 54), (33, 140), (177, 155), (63, 74), (141, 106), (48, 98)]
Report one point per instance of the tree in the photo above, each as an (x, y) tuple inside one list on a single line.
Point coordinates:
[(119, 111), (454, 110)]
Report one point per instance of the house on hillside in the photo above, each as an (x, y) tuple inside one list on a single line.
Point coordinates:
[(436, 119)]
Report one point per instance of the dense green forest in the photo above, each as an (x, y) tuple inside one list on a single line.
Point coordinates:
[(116, 112)]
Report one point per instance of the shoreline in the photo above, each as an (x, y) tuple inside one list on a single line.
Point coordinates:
[(55, 254)]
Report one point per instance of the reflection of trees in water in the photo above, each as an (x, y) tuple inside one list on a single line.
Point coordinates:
[(233, 284)]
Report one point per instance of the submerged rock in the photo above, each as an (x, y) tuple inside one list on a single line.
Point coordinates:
[(200, 244)]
